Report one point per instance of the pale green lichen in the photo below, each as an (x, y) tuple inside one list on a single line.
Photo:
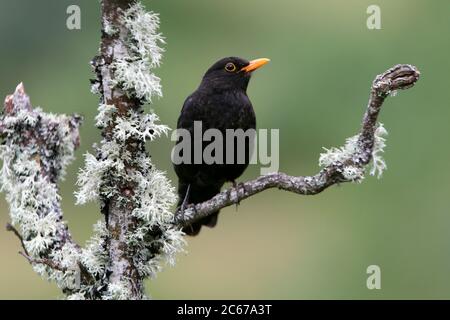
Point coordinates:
[(76, 296), (378, 163), (105, 112), (94, 256), (343, 154), (353, 173), (134, 73), (118, 291), (109, 28), (90, 178), (136, 78), (145, 39)]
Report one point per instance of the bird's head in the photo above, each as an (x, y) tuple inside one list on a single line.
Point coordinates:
[(231, 73)]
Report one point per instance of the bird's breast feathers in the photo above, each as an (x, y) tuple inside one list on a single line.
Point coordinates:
[(229, 109)]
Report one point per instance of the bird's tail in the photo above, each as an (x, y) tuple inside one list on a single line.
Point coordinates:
[(198, 194)]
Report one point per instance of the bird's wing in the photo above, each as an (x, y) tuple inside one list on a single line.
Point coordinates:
[(187, 172)]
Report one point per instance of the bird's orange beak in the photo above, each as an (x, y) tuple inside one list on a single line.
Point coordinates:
[(255, 64)]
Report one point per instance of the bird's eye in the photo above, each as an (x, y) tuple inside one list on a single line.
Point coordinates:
[(230, 67)]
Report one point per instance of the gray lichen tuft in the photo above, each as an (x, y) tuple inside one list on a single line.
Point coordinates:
[(133, 73), (345, 154)]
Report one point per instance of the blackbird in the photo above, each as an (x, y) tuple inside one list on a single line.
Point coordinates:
[(221, 103)]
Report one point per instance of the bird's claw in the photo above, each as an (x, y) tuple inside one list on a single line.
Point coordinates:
[(194, 207), (237, 187)]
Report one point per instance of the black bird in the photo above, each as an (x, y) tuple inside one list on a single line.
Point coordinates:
[(220, 102)]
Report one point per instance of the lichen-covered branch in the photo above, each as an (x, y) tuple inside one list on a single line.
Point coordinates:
[(135, 197), (346, 164), (36, 148), (136, 237)]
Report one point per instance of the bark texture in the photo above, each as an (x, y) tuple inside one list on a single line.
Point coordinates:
[(119, 219)]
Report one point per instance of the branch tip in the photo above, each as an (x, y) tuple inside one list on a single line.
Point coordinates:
[(401, 76)]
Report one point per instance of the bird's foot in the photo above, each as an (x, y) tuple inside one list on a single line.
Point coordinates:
[(189, 206), (189, 229), (194, 208), (237, 187)]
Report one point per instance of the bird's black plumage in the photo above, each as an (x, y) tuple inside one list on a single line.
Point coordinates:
[(220, 102)]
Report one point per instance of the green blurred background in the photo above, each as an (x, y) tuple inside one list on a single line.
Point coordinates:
[(277, 245)]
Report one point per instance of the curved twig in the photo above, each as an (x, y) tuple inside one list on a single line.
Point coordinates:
[(49, 263)]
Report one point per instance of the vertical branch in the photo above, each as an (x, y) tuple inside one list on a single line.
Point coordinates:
[(118, 213), (136, 198)]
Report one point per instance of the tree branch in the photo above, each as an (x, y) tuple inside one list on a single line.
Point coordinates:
[(36, 148), (399, 77), (49, 263), (136, 199), (52, 264), (118, 217)]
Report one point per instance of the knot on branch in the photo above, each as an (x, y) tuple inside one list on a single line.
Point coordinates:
[(401, 76)]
